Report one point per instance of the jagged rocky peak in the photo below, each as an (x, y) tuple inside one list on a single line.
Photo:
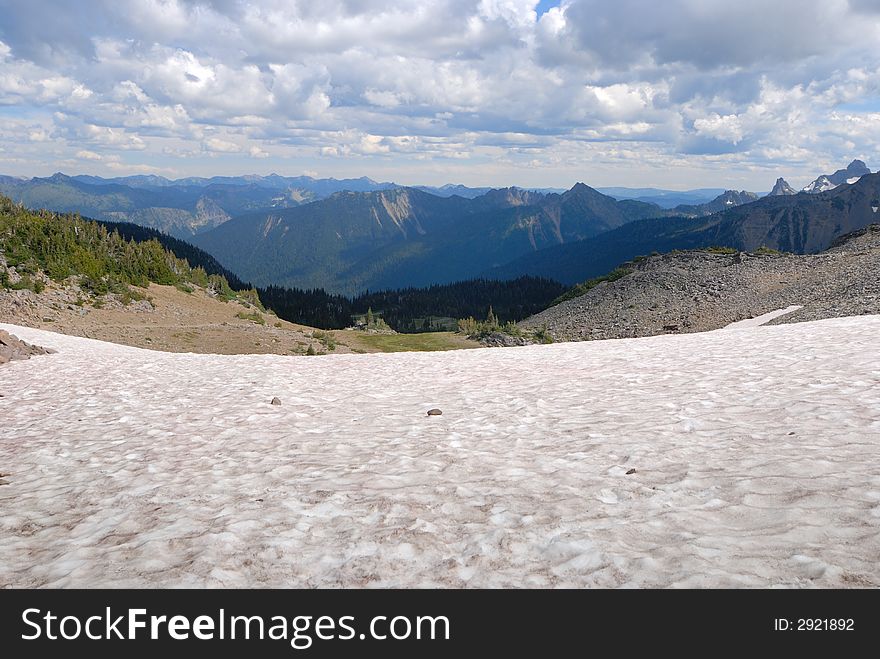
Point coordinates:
[(782, 189), (736, 197), (853, 172), (821, 184), (512, 196)]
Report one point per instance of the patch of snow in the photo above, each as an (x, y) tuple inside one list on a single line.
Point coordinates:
[(755, 457), (763, 319)]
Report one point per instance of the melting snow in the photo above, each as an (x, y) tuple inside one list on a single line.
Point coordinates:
[(755, 457), (763, 319)]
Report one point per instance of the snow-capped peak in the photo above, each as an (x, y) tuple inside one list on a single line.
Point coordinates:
[(853, 172), (821, 184)]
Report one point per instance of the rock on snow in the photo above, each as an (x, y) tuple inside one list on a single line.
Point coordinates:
[(754, 449)]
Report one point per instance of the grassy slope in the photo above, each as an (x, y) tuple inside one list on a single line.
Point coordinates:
[(427, 342)]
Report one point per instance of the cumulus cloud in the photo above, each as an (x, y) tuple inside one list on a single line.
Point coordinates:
[(88, 155), (586, 89), (218, 145), (711, 34)]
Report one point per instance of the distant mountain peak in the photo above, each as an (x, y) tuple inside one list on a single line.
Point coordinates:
[(512, 196), (853, 172), (724, 201), (821, 184), (583, 190), (858, 166), (782, 189)]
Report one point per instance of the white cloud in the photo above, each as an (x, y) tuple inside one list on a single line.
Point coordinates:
[(88, 155), (655, 88), (728, 128), (218, 145)]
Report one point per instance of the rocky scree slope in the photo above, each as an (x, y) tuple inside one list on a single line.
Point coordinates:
[(700, 290)]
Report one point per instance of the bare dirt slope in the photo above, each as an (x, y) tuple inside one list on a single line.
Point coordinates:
[(169, 319)]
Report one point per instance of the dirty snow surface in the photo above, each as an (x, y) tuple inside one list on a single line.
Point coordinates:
[(755, 453)]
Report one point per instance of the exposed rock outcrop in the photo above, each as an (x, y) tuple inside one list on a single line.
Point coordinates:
[(12, 348)]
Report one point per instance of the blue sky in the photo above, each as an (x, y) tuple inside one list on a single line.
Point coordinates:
[(544, 6), (679, 94)]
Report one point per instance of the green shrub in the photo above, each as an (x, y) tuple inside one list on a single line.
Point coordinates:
[(130, 295), (477, 329), (199, 277), (26, 283), (255, 317), (326, 338), (590, 284), (542, 335), (251, 296)]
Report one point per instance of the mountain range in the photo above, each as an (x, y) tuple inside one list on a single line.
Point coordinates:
[(352, 235), (182, 207), (801, 223), (353, 241), (665, 198)]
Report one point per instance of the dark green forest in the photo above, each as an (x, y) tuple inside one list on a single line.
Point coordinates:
[(405, 310), (511, 300), (196, 257)]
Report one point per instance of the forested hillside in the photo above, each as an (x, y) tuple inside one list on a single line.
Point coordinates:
[(105, 260)]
